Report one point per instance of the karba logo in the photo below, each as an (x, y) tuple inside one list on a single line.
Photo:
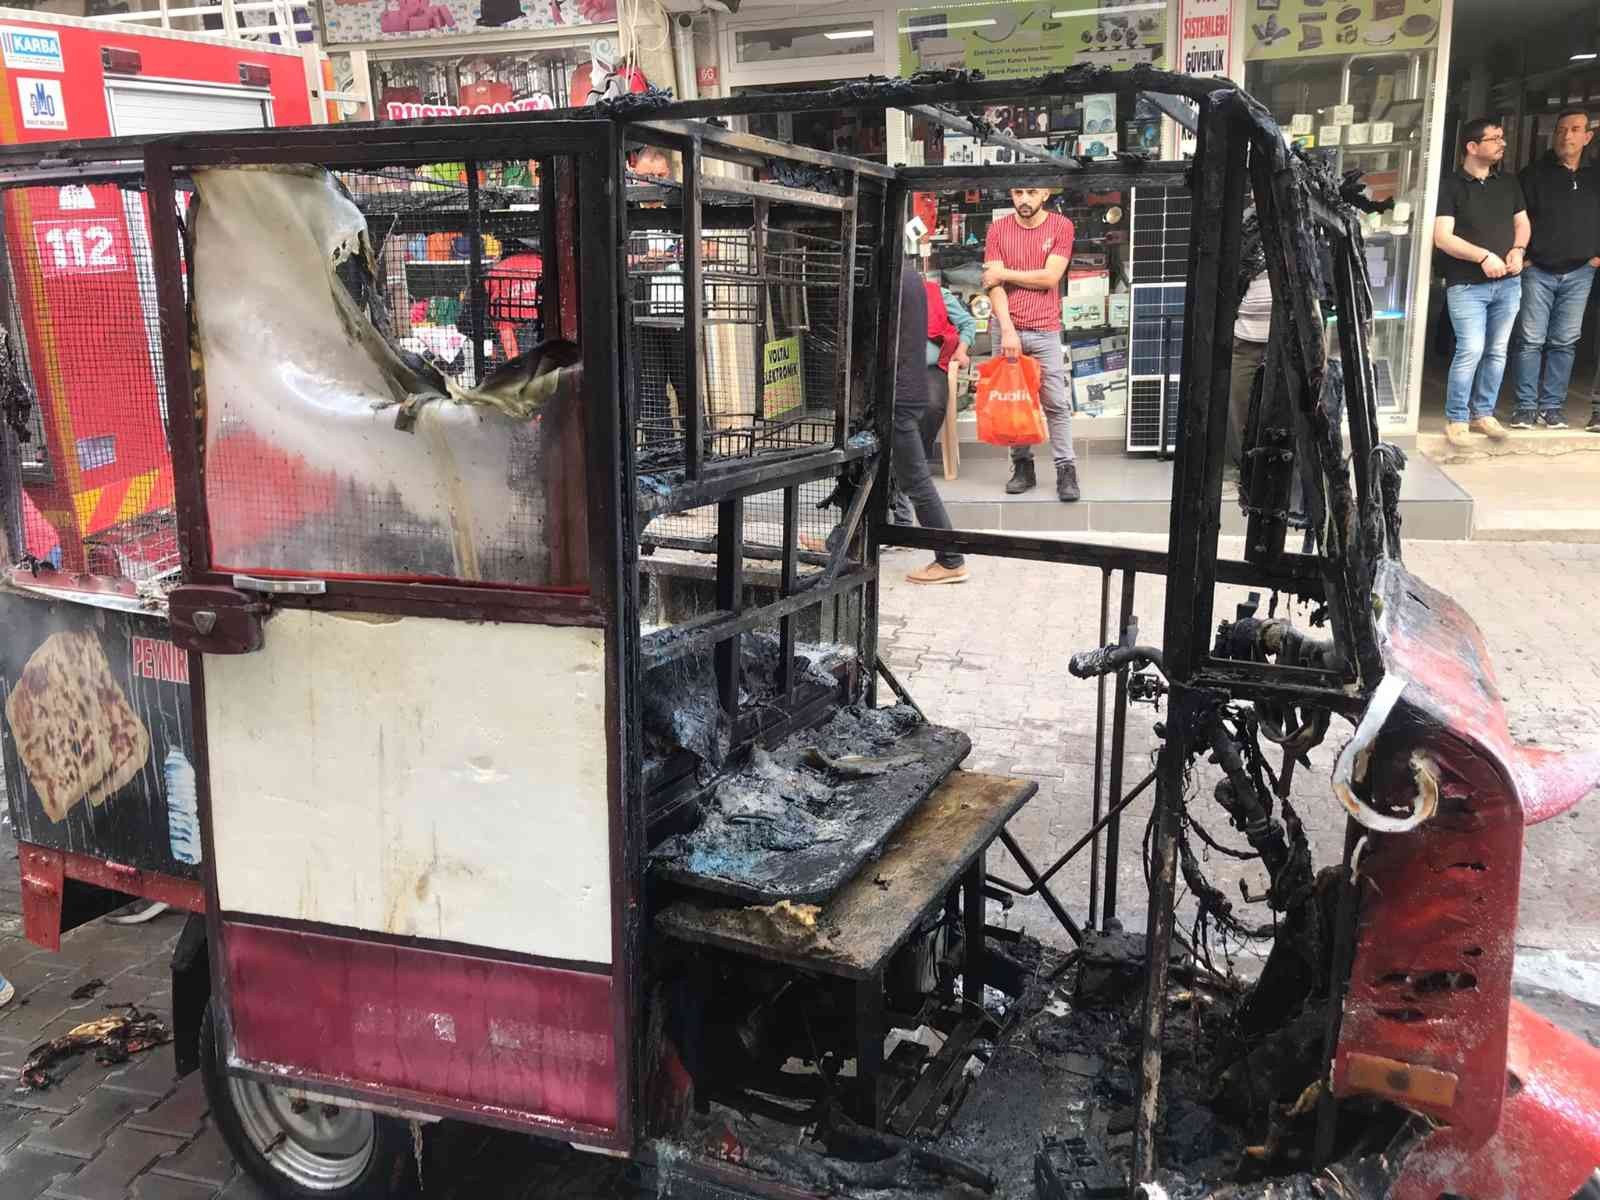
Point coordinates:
[(41, 103)]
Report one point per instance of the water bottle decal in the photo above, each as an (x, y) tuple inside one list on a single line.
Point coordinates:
[(183, 810)]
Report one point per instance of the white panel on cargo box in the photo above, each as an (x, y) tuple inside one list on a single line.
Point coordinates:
[(431, 778)]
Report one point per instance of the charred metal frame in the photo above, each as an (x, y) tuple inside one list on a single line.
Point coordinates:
[(1240, 151)]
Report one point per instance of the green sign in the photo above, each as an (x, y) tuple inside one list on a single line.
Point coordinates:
[(1299, 28), (1013, 41), (783, 382)]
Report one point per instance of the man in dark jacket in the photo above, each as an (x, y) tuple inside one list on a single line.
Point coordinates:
[(1563, 200)]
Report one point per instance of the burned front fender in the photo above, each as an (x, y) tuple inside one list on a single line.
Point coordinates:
[(1428, 1020)]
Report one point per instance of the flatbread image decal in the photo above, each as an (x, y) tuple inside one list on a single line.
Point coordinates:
[(76, 733)]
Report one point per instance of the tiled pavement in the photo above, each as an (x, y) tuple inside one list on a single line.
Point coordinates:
[(989, 657)]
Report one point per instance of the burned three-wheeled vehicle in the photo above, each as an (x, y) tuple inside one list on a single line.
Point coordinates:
[(443, 631)]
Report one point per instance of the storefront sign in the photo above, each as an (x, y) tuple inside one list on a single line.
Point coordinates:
[(706, 77), (783, 385), (1204, 35), (406, 110), (1293, 28), (1012, 41), (354, 21)]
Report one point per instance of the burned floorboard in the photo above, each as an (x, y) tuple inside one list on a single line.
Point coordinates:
[(798, 821), (855, 932)]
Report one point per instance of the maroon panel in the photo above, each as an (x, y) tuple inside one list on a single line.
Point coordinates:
[(530, 1042)]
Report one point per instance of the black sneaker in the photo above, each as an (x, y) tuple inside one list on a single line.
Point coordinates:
[(1594, 423), (1523, 420), (1553, 420), (1067, 482), (1022, 477)]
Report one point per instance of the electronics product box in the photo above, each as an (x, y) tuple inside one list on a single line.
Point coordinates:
[(1083, 314), (1119, 309), (1086, 283), (1102, 395)]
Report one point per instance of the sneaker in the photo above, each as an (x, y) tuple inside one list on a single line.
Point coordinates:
[(8, 990), (1523, 420), (1455, 432), (934, 573), (1553, 420), (1022, 477), (1067, 482), (1489, 427), (1594, 423)]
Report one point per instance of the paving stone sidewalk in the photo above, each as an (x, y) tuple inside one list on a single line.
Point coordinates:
[(990, 657)]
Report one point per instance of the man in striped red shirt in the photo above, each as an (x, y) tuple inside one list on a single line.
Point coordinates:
[(1023, 264)]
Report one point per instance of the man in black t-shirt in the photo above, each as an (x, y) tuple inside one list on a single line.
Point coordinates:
[(1481, 231), (1564, 204)]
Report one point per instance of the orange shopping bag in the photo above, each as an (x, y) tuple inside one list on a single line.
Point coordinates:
[(1008, 403)]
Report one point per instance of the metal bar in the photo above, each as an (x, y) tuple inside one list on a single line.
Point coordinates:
[(666, 495), (1159, 929), (899, 689), (1344, 945), (708, 545), (694, 344), (749, 145), (477, 302), (730, 594), (1099, 755), (1291, 573), (1196, 511), (664, 645), (959, 124), (183, 427), (1037, 883), (847, 297), (1087, 175), (1128, 633), (550, 276), (972, 919), (1188, 117), (847, 534), (1045, 894), (791, 541), (778, 194), (759, 237), (871, 1029), (879, 408)]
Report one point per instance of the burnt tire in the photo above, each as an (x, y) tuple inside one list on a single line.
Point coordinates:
[(303, 1151)]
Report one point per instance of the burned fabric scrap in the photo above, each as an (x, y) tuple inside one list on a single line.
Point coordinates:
[(114, 1039)]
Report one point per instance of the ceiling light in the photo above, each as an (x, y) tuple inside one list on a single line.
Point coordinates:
[(947, 25), (847, 35), (1116, 8), (1584, 57)]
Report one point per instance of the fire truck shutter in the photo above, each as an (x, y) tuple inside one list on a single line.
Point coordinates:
[(151, 109)]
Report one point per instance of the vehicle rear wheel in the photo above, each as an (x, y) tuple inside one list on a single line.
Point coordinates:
[(299, 1149)]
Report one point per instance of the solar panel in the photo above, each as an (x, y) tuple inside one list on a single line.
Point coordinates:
[(1160, 235), (1155, 351)]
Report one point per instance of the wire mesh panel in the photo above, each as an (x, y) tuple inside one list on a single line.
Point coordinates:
[(350, 431), (83, 341), (768, 371)]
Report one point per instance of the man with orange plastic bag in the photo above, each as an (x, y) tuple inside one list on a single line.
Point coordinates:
[(1024, 261)]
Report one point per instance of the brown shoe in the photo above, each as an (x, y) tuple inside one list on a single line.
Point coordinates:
[(1489, 427), (1455, 432), (934, 573)]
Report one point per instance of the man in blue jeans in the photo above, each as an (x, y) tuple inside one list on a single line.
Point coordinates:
[(1481, 231), (1564, 204)]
